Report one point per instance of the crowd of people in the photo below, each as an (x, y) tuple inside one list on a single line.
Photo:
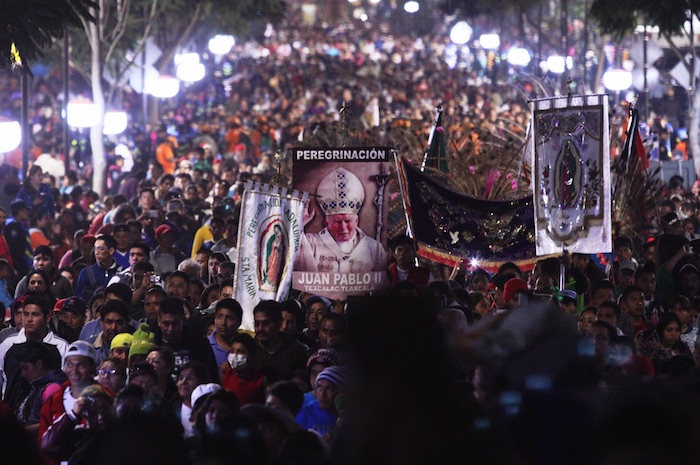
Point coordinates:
[(123, 341)]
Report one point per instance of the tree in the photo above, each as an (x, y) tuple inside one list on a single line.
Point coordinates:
[(670, 16), (126, 25)]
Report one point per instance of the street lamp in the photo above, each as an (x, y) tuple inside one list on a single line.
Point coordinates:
[(82, 113), (461, 33), (115, 123), (556, 64), (617, 80), (411, 7), (489, 41), (163, 86), (518, 56), (221, 44), (10, 135)]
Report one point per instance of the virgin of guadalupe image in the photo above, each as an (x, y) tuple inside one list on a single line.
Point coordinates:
[(274, 257)]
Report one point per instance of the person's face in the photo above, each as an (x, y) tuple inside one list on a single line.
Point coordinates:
[(112, 324), (623, 253), (690, 283), (405, 256), (191, 194), (480, 283), (226, 322), (217, 231), (146, 201), (326, 392), (156, 360), (315, 314), (602, 295), (213, 267), (22, 215), (137, 255), (177, 287), (145, 382), (121, 353), (96, 306), (102, 252), (31, 371), (109, 376), (329, 329), (231, 231), (289, 323), (607, 315), (635, 303), (342, 226), (73, 320), (36, 283), (186, 382), (33, 320), (79, 369), (171, 327), (226, 292), (671, 334), (203, 261), (42, 262), (165, 241), (683, 312), (272, 401), (134, 233), (217, 414), (647, 282), (625, 278), (122, 238), (580, 262), (69, 277), (585, 320), (266, 329), (151, 305)]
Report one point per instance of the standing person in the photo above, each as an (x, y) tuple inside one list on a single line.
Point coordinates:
[(405, 268), (341, 246), (43, 260), (98, 275), (166, 257), (16, 234), (277, 355), (320, 414), (239, 376), (227, 318), (165, 154), (4, 247), (36, 194), (35, 327)]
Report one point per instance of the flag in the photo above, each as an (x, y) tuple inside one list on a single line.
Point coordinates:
[(634, 147), (436, 155), (268, 242)]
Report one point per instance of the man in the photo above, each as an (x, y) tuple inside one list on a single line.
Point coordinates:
[(341, 246), (227, 318), (202, 258), (215, 260), (165, 154), (121, 253), (116, 291), (178, 285), (316, 308), (98, 275), (147, 202), (610, 312), (405, 269), (120, 346), (114, 319), (43, 260), (278, 355), (80, 366), (35, 321), (139, 253), (320, 414), (151, 305), (16, 234), (187, 344), (74, 316), (513, 293), (166, 257)]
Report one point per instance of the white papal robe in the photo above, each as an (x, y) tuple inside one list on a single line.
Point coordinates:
[(320, 252)]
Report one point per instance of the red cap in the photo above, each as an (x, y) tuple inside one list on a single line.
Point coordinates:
[(163, 229), (88, 237), (512, 287)]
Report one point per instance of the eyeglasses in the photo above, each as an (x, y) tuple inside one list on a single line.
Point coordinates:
[(100, 249), (103, 372)]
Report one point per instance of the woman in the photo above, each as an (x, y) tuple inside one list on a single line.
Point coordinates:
[(209, 295), (162, 359), (663, 342), (36, 194), (191, 375), (38, 280), (585, 319), (70, 274), (239, 376), (218, 412), (112, 374)]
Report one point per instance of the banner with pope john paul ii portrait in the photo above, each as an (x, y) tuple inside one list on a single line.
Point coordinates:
[(343, 247)]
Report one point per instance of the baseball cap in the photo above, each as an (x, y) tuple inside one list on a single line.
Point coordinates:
[(74, 305), (121, 340), (163, 229), (82, 348), (512, 287), (202, 390)]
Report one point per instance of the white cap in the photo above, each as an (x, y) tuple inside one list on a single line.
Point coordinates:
[(81, 348), (202, 390), (339, 192)]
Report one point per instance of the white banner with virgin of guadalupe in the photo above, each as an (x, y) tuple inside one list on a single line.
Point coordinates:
[(269, 232), (570, 144)]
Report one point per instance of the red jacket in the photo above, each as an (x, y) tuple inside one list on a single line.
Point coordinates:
[(417, 275), (52, 409)]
